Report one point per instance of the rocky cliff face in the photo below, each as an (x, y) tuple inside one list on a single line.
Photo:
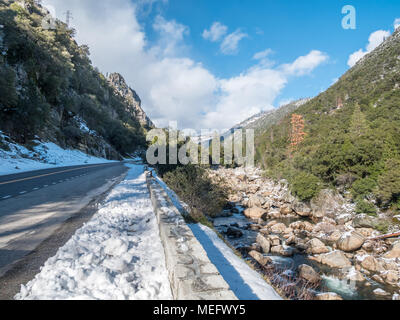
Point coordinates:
[(133, 102), (63, 99)]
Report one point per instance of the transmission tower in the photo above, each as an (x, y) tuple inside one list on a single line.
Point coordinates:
[(68, 17)]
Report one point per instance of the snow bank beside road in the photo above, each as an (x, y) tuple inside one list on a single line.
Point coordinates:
[(245, 282), (45, 155), (117, 255)]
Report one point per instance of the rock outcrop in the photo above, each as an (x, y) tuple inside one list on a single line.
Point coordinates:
[(335, 259), (394, 252), (133, 102), (307, 273), (255, 213), (350, 241)]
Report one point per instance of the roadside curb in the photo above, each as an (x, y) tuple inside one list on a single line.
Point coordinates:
[(191, 273)]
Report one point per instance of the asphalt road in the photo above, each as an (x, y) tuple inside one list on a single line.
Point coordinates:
[(21, 183), (40, 211)]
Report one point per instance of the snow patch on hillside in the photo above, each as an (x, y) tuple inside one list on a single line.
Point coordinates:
[(16, 158), (117, 255)]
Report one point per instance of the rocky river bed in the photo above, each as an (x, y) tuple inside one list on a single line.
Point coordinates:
[(321, 250)]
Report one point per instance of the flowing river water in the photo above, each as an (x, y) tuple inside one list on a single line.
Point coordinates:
[(331, 279)]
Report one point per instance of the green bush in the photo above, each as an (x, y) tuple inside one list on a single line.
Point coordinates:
[(305, 186), (365, 207), (73, 133), (363, 187), (382, 226), (389, 182), (8, 94), (195, 188)]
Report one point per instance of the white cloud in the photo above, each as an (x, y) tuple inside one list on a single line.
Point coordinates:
[(262, 55), (375, 39), (171, 35), (216, 32), (174, 87), (256, 89), (396, 23), (231, 42), (305, 64)]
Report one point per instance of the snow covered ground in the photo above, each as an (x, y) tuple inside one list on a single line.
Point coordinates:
[(118, 254), (45, 155), (246, 283)]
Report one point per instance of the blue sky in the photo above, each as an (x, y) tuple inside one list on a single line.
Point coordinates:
[(290, 28), (161, 48)]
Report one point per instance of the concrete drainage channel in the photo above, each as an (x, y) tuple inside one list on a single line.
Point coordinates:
[(191, 273)]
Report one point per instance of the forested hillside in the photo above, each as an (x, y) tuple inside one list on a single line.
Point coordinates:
[(50, 89), (347, 137)]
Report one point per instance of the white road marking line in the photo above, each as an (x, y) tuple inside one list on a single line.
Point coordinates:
[(22, 192), (45, 186), (34, 189), (6, 197), (50, 174)]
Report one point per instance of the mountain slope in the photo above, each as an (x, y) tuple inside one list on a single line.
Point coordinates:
[(352, 135), (50, 90), (262, 121)]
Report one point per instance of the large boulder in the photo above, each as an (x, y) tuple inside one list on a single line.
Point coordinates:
[(307, 273), (234, 233), (391, 277), (274, 214), (260, 258), (324, 227), (334, 236), (394, 252), (355, 275), (283, 251), (255, 213), (274, 240), (327, 203), (286, 210), (301, 209), (365, 221), (350, 241), (264, 243), (278, 228), (370, 263), (334, 259), (343, 218), (255, 201), (316, 246), (380, 292)]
